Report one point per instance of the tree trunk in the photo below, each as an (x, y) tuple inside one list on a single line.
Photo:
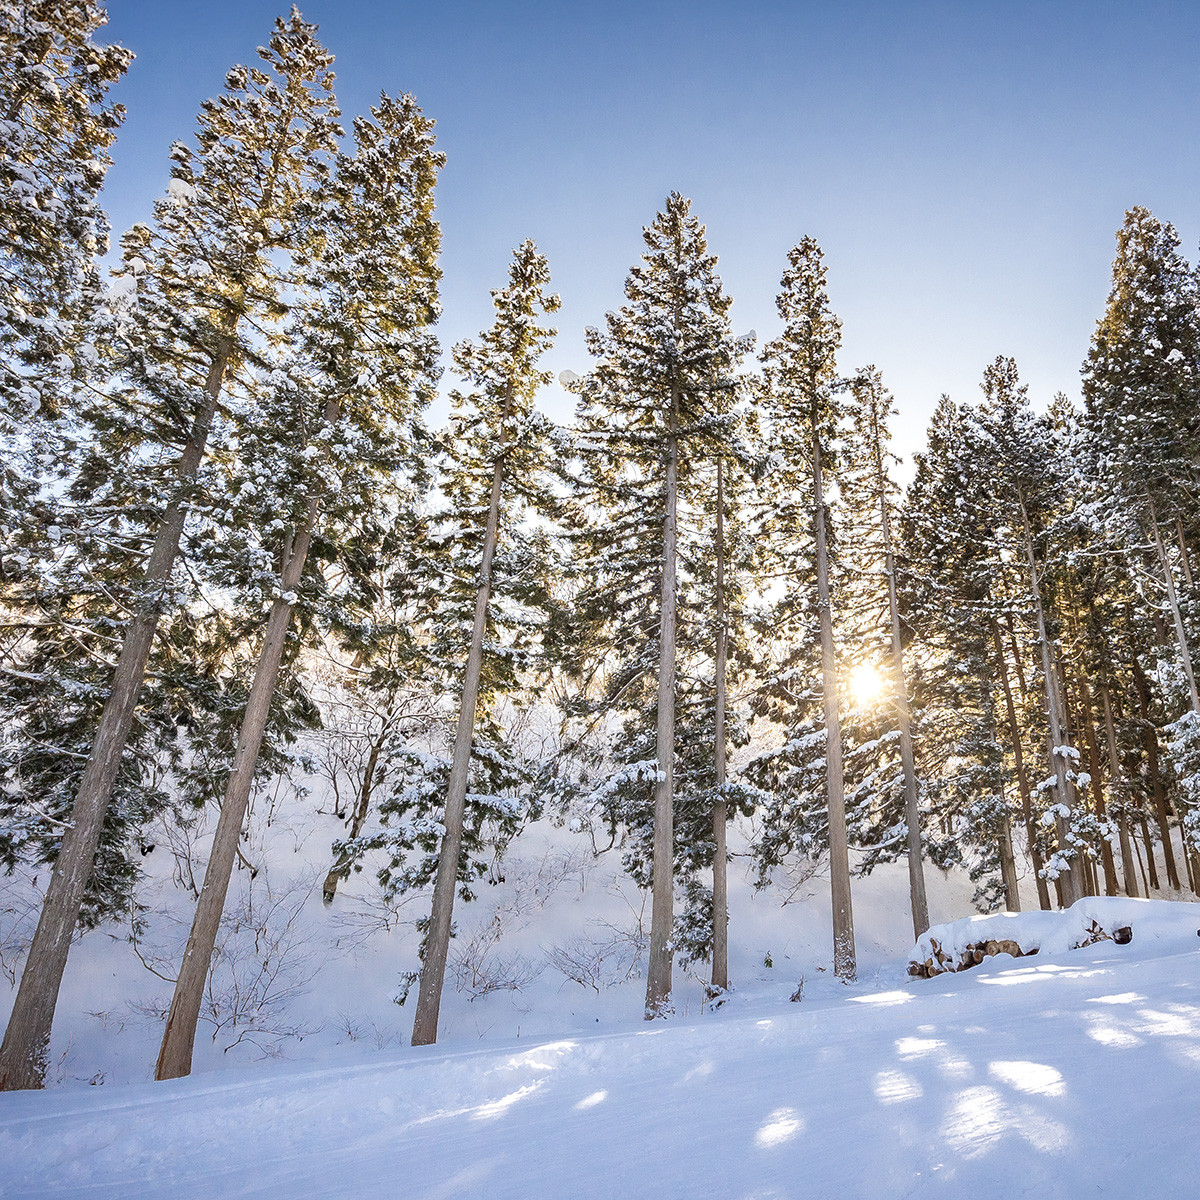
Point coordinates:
[(1150, 739), (720, 952), (1151, 865), (1071, 882), (1128, 870), (1035, 855), (918, 900), (437, 940), (662, 915), (179, 1037), (26, 1045), (1184, 562), (1185, 654), (1089, 733), (839, 852), (1008, 866)]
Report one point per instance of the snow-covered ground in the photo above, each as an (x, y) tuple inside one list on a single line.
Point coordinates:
[(554, 948), (1069, 1075)]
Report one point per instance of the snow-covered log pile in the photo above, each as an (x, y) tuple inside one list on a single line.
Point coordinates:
[(959, 945)]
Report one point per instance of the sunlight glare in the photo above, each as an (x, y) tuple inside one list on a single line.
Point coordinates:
[(866, 684), (781, 1126)]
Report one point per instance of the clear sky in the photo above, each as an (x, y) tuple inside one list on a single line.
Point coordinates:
[(964, 164)]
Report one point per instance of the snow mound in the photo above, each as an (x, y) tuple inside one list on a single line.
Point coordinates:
[(961, 944)]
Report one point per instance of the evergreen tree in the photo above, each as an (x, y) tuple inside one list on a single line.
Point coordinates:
[(958, 604), (333, 424), (501, 452), (1141, 384), (57, 126), (868, 495), (196, 290), (652, 409), (1021, 464), (801, 390)]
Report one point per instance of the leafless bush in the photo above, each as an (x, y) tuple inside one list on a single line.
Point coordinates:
[(480, 967), (366, 911), (19, 911), (613, 957), (261, 963), (352, 1029)]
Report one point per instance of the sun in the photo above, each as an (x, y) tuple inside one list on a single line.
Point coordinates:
[(866, 684)]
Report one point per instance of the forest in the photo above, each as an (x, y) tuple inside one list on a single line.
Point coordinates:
[(237, 553)]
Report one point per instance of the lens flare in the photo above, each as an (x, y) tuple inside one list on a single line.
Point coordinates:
[(867, 684)]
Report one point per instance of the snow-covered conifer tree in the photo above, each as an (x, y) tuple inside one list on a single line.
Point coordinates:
[(869, 497), (195, 296), (801, 397), (652, 410), (332, 426), (501, 450)]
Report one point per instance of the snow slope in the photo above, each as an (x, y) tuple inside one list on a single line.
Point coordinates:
[(1060, 1076)]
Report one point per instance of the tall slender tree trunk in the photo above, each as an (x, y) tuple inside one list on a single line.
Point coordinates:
[(437, 940), (1150, 740), (1014, 729), (720, 953), (662, 914), (1008, 866), (179, 1037), (844, 964), (1087, 723), (26, 1044), (1064, 791), (1151, 863), (1128, 869), (918, 900), (1185, 654), (1152, 880)]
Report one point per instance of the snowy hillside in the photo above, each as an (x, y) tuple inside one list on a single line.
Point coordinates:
[(555, 947), (1058, 1076)]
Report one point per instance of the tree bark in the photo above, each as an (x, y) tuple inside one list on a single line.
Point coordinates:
[(1128, 869), (24, 1053), (918, 900), (1035, 855), (1151, 864), (179, 1037), (1184, 561), (1071, 884), (662, 914), (1150, 740), (844, 965), (720, 953), (1185, 654), (1089, 732), (1008, 866), (437, 940)]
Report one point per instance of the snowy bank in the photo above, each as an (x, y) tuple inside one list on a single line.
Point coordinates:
[(1056, 1079), (961, 944)]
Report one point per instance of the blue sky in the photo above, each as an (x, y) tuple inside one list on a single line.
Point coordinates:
[(963, 164)]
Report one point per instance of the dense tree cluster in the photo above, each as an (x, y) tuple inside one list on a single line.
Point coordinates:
[(229, 545)]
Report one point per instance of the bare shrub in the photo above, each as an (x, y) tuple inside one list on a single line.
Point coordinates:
[(261, 963), (19, 911), (479, 966), (613, 957)]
